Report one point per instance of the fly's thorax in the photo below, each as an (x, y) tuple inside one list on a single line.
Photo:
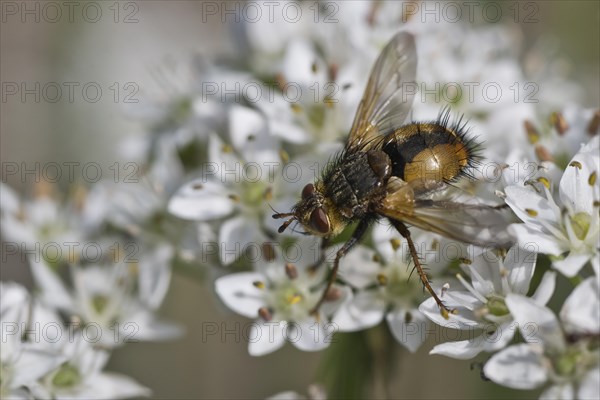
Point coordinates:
[(356, 181), (429, 151)]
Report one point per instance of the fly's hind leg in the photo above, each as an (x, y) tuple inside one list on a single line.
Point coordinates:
[(400, 227), (361, 229)]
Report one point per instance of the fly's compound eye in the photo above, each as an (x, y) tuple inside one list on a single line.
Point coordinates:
[(319, 221), (308, 191)]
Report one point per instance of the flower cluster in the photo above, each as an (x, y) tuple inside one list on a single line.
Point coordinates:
[(218, 161)]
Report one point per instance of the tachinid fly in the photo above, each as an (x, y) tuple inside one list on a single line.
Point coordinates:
[(389, 169)]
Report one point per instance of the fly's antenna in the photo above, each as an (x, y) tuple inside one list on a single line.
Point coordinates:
[(287, 223)]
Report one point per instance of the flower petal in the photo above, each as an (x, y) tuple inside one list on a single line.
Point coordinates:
[(589, 388), (54, 293), (9, 199), (250, 137), (411, 331), (581, 311), (237, 235), (462, 319), (111, 386), (537, 323), (201, 200), (571, 264), (559, 391), (574, 189), (302, 65), (155, 275), (359, 269), (460, 350), (521, 265), (266, 337), (239, 294), (33, 363), (362, 311), (532, 238), (310, 335), (519, 367), (520, 199), (545, 289)]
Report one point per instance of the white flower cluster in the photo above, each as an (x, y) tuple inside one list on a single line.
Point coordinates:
[(230, 143), (101, 259)]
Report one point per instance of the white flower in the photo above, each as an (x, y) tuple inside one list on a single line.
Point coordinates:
[(79, 375), (385, 290), (570, 129), (237, 184), (315, 392), (573, 227), (179, 111), (103, 296), (566, 357), (482, 307), (283, 298), (20, 363), (43, 224)]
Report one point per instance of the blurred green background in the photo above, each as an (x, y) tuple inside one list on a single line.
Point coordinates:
[(108, 52)]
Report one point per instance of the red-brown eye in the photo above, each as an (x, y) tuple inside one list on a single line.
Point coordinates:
[(308, 191), (319, 221)]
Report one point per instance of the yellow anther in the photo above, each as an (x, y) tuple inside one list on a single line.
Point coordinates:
[(576, 164), (592, 178), (268, 194), (532, 133), (265, 314), (284, 156), (543, 154), (395, 243), (444, 313), (294, 299), (531, 212), (559, 122), (544, 181), (291, 271), (382, 279), (296, 107), (259, 284), (268, 251)]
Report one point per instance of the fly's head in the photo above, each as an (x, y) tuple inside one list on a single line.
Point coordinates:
[(310, 212)]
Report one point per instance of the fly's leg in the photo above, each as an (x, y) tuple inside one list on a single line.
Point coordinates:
[(322, 255), (400, 227), (359, 232)]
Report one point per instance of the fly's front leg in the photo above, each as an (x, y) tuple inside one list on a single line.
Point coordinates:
[(322, 255), (359, 232), (403, 230)]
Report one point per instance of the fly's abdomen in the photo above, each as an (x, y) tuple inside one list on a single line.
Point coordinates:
[(428, 151)]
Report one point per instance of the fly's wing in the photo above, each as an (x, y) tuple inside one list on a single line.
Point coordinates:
[(389, 93), (476, 224)]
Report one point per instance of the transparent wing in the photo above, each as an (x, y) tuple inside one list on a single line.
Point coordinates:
[(477, 224), (386, 103)]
